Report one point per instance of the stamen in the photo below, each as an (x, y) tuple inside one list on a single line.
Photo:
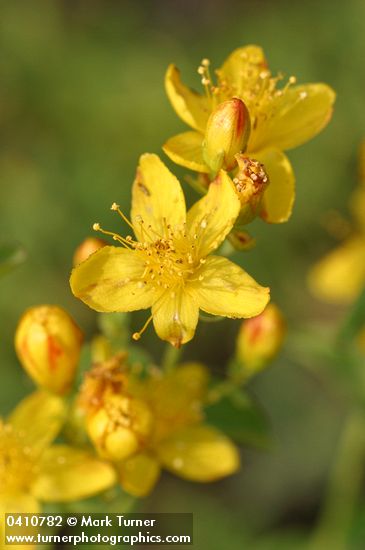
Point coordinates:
[(116, 208), (137, 335), (116, 237)]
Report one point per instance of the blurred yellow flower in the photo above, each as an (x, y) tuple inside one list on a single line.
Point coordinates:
[(169, 267), (159, 419), (48, 344), (281, 118), (339, 277), (31, 470)]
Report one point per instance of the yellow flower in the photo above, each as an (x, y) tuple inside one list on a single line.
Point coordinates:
[(161, 425), (169, 267), (339, 277), (281, 118), (32, 471)]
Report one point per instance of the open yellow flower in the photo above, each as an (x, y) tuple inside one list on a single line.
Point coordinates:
[(281, 118), (177, 438), (339, 277), (169, 267), (32, 471)]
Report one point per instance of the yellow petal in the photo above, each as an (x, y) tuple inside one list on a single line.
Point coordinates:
[(226, 289), (340, 276), (186, 150), (176, 398), (191, 107), (67, 473), (192, 379), (175, 316), (299, 114), (139, 474), (157, 199), (39, 417), (213, 216), (111, 280), (278, 199), (199, 453), (242, 68), (17, 503)]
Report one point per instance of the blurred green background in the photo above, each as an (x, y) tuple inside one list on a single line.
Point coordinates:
[(81, 97)]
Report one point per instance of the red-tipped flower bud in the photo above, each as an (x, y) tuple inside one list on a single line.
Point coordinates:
[(86, 248), (227, 133), (260, 340), (48, 344)]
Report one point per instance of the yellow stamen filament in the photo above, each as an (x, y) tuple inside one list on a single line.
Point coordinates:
[(116, 237), (137, 335)]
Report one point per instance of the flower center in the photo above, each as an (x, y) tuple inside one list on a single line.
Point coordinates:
[(16, 461), (169, 259)]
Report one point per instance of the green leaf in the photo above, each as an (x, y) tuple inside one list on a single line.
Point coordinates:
[(11, 255), (241, 419)]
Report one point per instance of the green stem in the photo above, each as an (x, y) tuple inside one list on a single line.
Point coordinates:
[(170, 357), (344, 487)]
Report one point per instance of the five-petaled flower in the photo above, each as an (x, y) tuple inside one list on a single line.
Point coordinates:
[(157, 422), (169, 267), (32, 470), (281, 118)]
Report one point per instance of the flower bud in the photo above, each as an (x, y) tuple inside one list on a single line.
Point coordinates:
[(227, 133), (86, 248), (259, 340), (48, 344), (250, 182), (241, 240), (120, 427)]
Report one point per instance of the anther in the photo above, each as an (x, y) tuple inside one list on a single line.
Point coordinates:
[(114, 206), (96, 226), (137, 335)]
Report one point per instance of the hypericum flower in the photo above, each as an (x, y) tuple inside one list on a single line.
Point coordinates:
[(169, 267), (281, 118), (176, 439), (339, 277), (48, 344), (32, 471), (259, 340)]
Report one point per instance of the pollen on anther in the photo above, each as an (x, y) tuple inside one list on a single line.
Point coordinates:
[(96, 226), (114, 206)]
